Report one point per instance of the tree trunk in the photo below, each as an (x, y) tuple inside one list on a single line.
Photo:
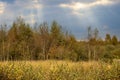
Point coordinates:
[(89, 53), (94, 53), (3, 53)]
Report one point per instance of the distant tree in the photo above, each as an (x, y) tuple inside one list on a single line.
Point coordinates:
[(72, 41), (37, 44), (57, 37), (2, 41), (12, 37), (96, 36), (114, 40), (89, 38), (96, 33), (56, 33), (93, 42), (89, 33), (20, 40), (45, 39), (108, 39)]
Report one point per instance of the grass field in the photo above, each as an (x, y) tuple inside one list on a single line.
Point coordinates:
[(59, 70)]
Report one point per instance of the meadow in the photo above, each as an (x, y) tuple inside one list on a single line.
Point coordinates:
[(59, 70)]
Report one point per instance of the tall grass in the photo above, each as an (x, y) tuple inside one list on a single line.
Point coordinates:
[(59, 70)]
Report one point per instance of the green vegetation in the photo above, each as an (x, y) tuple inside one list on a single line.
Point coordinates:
[(22, 46), (59, 70), (42, 42)]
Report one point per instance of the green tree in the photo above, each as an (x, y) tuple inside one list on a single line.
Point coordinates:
[(108, 39), (2, 41), (93, 38), (12, 37), (56, 33), (114, 40), (25, 39), (57, 39), (45, 39), (20, 40)]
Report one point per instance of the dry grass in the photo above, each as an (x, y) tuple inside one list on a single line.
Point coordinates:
[(58, 70)]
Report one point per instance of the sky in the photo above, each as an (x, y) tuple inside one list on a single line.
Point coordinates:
[(74, 15)]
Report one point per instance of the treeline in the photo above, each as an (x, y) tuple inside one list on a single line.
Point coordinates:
[(42, 42)]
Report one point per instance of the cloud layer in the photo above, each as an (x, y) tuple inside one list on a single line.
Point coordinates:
[(79, 6), (28, 9), (75, 15)]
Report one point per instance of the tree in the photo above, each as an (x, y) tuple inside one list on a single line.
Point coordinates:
[(12, 37), (89, 33), (20, 40), (57, 38), (2, 41), (23, 42), (114, 40), (93, 36), (108, 39), (25, 39), (89, 37), (96, 33), (56, 33), (45, 39)]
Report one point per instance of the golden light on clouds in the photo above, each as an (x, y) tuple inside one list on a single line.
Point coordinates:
[(79, 5)]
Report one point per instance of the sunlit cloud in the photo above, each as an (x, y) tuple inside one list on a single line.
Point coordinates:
[(84, 10), (80, 5), (78, 8), (2, 7), (36, 1)]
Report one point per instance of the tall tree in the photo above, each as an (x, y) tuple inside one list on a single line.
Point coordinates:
[(45, 39), (89, 33), (89, 38), (93, 36), (108, 39), (57, 38), (96, 33), (2, 40), (20, 39), (114, 40), (25, 38), (56, 33), (12, 37)]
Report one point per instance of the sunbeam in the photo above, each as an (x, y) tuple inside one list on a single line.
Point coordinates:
[(36, 11)]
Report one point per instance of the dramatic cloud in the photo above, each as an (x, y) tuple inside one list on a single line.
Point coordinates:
[(2, 7), (78, 7), (75, 15)]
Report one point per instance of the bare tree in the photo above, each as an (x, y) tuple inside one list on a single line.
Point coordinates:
[(89, 37)]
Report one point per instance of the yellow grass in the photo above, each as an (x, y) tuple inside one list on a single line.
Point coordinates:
[(58, 70)]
